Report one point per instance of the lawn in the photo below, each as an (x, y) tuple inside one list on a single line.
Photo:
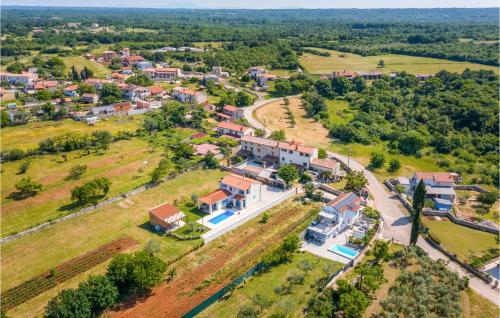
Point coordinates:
[(28, 136), (127, 163), (468, 209), (476, 306), (460, 240), (31, 255), (339, 61), (80, 62), (265, 284), (283, 72)]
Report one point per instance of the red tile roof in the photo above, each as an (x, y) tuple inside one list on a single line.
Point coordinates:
[(71, 88), (437, 176), (238, 182), (215, 196), (230, 108), (156, 90), (165, 211), (232, 126)]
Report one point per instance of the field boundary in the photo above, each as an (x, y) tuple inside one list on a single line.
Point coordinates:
[(61, 273), (89, 209)]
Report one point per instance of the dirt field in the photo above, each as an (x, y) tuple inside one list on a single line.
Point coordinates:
[(311, 133), (202, 273)]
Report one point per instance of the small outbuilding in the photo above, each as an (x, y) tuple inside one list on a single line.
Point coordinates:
[(165, 217)]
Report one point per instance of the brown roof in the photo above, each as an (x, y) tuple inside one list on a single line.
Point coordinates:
[(71, 88), (238, 182), (156, 90), (260, 141), (215, 196), (296, 146), (230, 108), (164, 211), (437, 176), (325, 163)]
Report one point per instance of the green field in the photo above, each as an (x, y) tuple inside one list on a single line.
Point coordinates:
[(80, 62), (31, 255), (28, 136), (460, 240), (265, 284), (339, 61)]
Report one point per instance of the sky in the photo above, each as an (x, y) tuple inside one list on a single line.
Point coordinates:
[(260, 4)]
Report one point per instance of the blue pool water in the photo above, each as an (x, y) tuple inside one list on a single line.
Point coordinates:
[(254, 164), (343, 251), (221, 217), (495, 272)]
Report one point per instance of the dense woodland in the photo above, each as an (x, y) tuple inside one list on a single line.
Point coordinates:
[(457, 34)]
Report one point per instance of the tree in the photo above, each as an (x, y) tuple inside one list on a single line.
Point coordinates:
[(248, 311), (355, 181), (261, 301), (75, 76), (210, 161), (341, 85), (260, 132), (322, 153), (24, 166), (243, 99), (487, 198), (141, 79), (27, 188), (91, 191), (76, 172), (278, 135), (394, 165), (351, 301), (380, 251), (16, 67), (306, 266), (411, 142), (86, 73), (100, 292), (136, 272), (418, 205), (289, 173), (377, 160), (159, 173), (102, 139), (370, 276), (152, 247), (381, 64), (359, 84), (86, 88), (69, 303), (43, 95), (309, 190), (110, 93)]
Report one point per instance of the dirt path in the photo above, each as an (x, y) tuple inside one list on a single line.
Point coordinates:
[(202, 273)]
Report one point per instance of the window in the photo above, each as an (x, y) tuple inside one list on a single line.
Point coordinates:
[(283, 159), (241, 192), (248, 191)]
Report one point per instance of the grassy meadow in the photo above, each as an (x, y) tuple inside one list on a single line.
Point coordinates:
[(338, 61), (28, 136), (80, 62)]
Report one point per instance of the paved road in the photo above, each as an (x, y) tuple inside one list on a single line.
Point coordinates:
[(396, 224)]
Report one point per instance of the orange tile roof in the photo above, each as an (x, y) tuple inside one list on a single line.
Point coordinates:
[(260, 141), (437, 176), (165, 211), (238, 182), (71, 88), (156, 90), (325, 163), (215, 196), (232, 126), (230, 108)]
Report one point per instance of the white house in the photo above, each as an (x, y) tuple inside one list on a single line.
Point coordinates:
[(134, 92), (233, 111), (253, 72), (326, 165), (165, 217), (163, 74), (24, 78), (185, 95), (71, 91), (235, 130), (336, 216), (235, 191), (89, 98)]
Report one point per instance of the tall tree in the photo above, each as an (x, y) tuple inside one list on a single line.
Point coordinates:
[(74, 74), (418, 205)]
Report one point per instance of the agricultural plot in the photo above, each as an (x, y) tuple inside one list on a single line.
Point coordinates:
[(80, 62), (265, 284), (28, 136), (63, 272), (127, 163), (339, 61), (37, 253)]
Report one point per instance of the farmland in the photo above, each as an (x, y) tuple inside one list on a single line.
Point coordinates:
[(264, 284), (339, 61), (80, 62), (28, 136), (31, 255)]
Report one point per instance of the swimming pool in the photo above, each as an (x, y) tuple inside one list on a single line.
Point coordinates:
[(221, 217), (254, 164), (343, 251), (494, 272)]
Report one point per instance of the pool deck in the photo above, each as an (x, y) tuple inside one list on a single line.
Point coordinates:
[(322, 249), (272, 196)]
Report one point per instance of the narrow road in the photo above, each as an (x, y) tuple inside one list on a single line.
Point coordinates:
[(397, 225)]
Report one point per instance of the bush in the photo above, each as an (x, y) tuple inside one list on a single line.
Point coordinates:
[(26, 188), (24, 166), (377, 160), (394, 165), (76, 172), (68, 304), (100, 292)]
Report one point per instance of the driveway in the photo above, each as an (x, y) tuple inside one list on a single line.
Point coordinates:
[(397, 225)]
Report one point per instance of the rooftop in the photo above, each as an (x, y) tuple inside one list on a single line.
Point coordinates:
[(238, 182), (166, 211), (232, 126), (215, 196), (346, 201)]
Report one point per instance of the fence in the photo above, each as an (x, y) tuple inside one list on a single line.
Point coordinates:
[(212, 235), (92, 208)]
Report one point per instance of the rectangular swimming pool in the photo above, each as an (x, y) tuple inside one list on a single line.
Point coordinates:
[(221, 217), (343, 251)]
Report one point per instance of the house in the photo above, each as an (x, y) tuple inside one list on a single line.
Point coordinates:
[(403, 183), (256, 70), (132, 60), (71, 91), (344, 73), (89, 98), (165, 217), (51, 86), (25, 78), (435, 179), (326, 165), (97, 82), (124, 53), (371, 75), (444, 193), (234, 191), (336, 216), (279, 152), (205, 148), (217, 71), (163, 74), (262, 79), (156, 92), (210, 77), (143, 65), (109, 55), (186, 95), (233, 111), (134, 92), (234, 130)]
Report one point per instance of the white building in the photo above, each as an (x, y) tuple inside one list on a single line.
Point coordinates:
[(253, 72), (25, 78), (163, 74), (235, 130), (186, 95)]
